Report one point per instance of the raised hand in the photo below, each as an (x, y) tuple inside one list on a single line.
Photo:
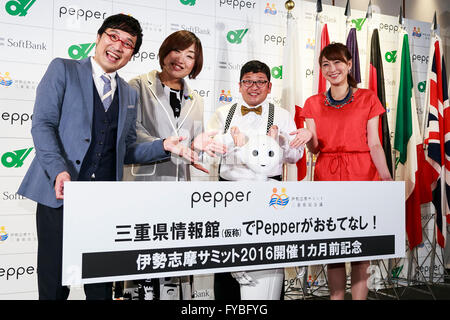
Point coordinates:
[(302, 136), (238, 137), (273, 132), (205, 142), (174, 145), (198, 166)]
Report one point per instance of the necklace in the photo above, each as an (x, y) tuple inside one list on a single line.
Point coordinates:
[(338, 104)]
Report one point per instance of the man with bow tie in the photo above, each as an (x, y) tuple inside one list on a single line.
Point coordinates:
[(235, 122), (252, 115)]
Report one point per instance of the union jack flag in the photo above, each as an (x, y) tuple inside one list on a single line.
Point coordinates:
[(437, 138)]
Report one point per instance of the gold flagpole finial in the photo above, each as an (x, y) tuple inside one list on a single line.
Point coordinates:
[(289, 5)]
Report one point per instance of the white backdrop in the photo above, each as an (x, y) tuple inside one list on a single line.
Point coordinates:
[(32, 33)]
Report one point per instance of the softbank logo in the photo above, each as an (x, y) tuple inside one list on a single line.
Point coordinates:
[(236, 36), (188, 2), (18, 7), (80, 51)]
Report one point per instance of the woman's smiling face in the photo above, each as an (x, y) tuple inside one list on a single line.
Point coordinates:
[(179, 63), (335, 71)]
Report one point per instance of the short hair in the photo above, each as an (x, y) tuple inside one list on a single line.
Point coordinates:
[(181, 40), (255, 66), (125, 23), (338, 51)]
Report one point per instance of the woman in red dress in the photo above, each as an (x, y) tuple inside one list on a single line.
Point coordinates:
[(344, 126)]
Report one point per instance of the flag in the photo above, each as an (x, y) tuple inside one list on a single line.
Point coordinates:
[(437, 137), (376, 84), (292, 97), (408, 145), (322, 40), (301, 164), (352, 45)]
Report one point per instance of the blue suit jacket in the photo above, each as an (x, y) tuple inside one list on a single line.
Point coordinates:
[(62, 128)]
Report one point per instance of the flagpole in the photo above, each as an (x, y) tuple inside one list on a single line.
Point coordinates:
[(435, 129), (317, 48), (316, 77), (369, 42), (427, 86), (434, 246), (414, 250), (348, 19), (369, 32), (411, 252), (289, 5), (424, 128)]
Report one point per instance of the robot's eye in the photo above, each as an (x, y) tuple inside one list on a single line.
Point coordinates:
[(271, 153), (255, 153)]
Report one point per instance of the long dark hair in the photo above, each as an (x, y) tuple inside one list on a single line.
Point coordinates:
[(338, 51)]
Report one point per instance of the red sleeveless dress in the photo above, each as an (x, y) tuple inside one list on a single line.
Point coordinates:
[(342, 135)]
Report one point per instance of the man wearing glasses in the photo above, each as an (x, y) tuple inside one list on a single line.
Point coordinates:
[(84, 130), (235, 122)]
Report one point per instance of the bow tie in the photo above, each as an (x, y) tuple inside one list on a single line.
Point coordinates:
[(246, 110)]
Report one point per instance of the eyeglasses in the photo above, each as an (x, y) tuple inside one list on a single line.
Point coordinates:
[(249, 83), (114, 38)]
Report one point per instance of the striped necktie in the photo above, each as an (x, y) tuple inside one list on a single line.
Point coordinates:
[(107, 92)]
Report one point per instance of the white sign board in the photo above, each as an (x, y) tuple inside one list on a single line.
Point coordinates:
[(136, 230)]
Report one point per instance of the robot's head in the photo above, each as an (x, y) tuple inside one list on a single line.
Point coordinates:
[(262, 154)]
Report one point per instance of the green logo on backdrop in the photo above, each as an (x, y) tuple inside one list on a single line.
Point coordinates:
[(277, 72), (422, 86), (236, 36), (359, 23), (15, 158), (391, 56), (188, 2), (18, 7), (80, 51), (396, 272)]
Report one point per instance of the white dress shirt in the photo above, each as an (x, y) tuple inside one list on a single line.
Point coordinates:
[(252, 124), (97, 72)]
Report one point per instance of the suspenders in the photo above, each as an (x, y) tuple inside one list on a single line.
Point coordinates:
[(230, 117), (233, 109)]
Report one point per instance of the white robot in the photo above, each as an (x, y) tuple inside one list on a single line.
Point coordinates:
[(262, 154)]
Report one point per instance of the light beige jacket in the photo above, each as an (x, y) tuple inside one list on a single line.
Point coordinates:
[(155, 120)]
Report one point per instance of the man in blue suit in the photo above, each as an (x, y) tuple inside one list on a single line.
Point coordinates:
[(84, 130)]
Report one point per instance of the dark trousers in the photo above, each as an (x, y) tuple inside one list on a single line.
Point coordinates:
[(226, 287), (49, 223)]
